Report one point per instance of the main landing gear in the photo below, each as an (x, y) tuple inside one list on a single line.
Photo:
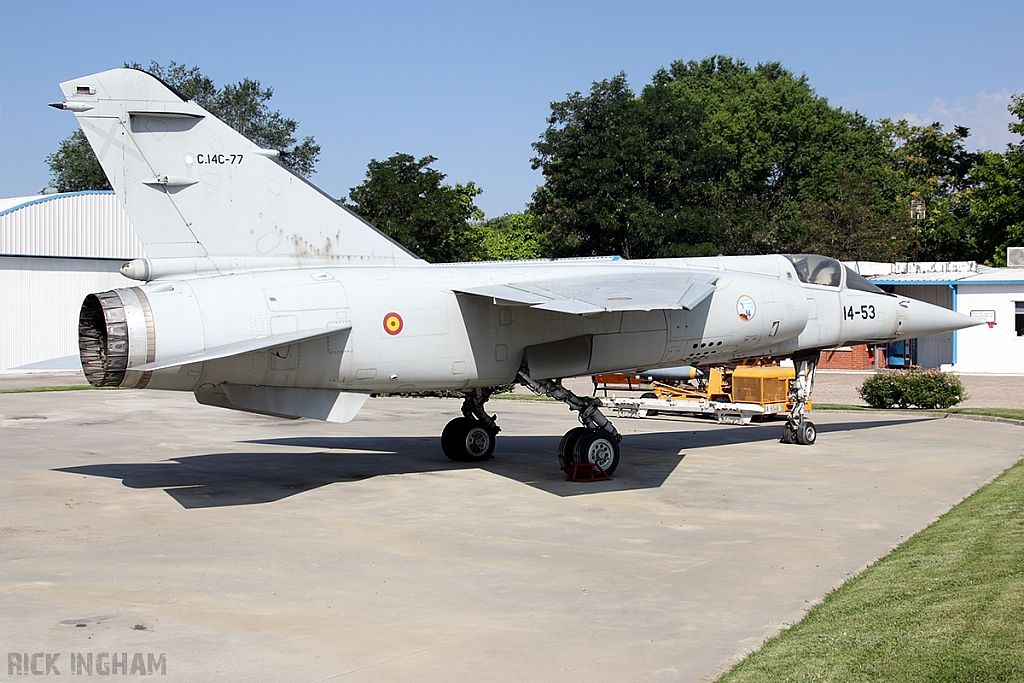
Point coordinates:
[(470, 438), (595, 442), (797, 429)]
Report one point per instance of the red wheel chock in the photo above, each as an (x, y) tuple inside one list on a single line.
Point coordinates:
[(586, 471)]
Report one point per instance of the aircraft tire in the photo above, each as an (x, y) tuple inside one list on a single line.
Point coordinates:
[(568, 445), (788, 433), (806, 433), (598, 447), (466, 440), (446, 436)]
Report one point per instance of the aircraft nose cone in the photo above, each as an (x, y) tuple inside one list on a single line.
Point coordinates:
[(918, 319)]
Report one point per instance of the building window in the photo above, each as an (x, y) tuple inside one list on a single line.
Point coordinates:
[(1019, 318)]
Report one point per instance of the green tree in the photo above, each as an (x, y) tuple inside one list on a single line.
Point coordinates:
[(243, 106), (596, 169), (406, 199), (511, 237), (850, 224), (933, 167), (997, 199), (712, 156), (74, 168)]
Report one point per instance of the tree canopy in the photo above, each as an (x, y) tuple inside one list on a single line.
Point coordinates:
[(406, 199), (712, 156), (930, 166), (996, 198), (512, 237), (243, 106)]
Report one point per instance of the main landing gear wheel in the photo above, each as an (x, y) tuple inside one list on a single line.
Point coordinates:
[(598, 447), (596, 442), (467, 440), (471, 438), (568, 446)]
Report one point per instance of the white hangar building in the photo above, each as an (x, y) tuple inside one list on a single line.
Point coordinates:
[(992, 295), (55, 249)]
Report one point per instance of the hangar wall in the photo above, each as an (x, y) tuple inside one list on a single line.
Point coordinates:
[(937, 349), (975, 290), (990, 349), (55, 249), (75, 224), (40, 304)]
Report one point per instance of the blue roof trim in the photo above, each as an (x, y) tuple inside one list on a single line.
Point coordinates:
[(980, 283), (959, 283), (51, 197), (917, 282)]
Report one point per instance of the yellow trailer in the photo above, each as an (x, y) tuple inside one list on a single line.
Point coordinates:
[(756, 383)]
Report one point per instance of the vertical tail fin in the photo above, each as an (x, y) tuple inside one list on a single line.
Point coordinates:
[(194, 187)]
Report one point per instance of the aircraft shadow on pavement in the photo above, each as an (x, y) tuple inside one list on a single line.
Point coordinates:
[(248, 478)]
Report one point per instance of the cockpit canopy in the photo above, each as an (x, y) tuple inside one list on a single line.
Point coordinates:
[(813, 269), (855, 281), (822, 270)]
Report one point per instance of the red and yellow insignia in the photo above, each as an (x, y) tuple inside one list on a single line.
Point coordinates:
[(392, 323)]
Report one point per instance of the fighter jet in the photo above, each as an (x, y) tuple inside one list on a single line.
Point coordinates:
[(263, 294)]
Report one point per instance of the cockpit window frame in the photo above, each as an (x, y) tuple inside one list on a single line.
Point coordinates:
[(814, 270), (859, 283)]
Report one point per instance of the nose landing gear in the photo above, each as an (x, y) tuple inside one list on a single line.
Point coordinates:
[(798, 429)]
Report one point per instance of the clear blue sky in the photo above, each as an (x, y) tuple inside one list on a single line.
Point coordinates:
[(471, 82)]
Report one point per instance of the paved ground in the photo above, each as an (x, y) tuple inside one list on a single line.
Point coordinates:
[(246, 548)]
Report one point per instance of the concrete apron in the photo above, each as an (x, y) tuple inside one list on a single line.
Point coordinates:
[(247, 548)]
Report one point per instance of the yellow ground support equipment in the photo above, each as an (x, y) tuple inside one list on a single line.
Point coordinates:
[(756, 389)]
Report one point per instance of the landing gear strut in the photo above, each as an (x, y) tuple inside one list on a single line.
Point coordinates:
[(797, 429), (596, 442), (470, 438)]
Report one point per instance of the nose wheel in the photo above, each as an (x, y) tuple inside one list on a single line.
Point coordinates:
[(797, 429), (804, 433)]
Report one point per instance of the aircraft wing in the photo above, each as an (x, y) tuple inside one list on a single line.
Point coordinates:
[(239, 348), (648, 291)]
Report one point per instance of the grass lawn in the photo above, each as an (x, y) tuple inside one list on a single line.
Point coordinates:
[(947, 605), (1012, 413), (35, 390)]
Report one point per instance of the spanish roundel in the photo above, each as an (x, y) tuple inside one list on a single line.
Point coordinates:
[(392, 323)]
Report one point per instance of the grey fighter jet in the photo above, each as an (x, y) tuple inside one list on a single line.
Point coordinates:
[(261, 293)]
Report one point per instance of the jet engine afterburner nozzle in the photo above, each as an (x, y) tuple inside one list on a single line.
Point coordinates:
[(114, 333)]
